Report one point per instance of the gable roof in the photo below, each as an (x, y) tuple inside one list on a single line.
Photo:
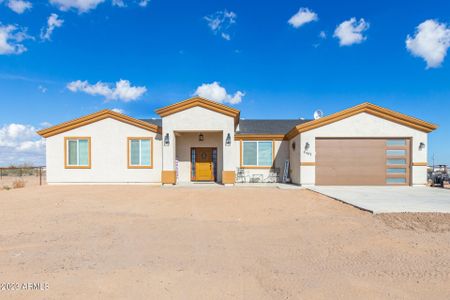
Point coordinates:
[(157, 122), (369, 108), (268, 126), (103, 114), (201, 102)]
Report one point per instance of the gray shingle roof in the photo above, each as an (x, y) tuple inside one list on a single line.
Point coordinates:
[(255, 126), (157, 122), (268, 126)]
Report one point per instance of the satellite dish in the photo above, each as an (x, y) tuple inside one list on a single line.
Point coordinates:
[(318, 114)]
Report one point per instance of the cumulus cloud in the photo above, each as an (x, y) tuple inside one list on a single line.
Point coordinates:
[(122, 91), (323, 35), (81, 5), (430, 42), (143, 3), (351, 32), (19, 6), (19, 143), (118, 110), (213, 91), (53, 22), (220, 22), (302, 17), (11, 38), (119, 3)]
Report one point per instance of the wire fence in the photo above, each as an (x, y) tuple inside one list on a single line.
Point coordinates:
[(15, 177)]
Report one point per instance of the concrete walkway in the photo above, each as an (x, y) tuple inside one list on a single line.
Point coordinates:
[(390, 199)]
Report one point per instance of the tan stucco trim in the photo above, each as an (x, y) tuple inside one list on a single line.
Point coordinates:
[(66, 139), (168, 177), (259, 137), (307, 164), (228, 177), (92, 118), (369, 108), (130, 166), (202, 102), (420, 164)]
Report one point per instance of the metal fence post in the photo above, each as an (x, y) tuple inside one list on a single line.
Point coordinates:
[(40, 175)]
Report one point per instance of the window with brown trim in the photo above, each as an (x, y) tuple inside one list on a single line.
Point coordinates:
[(257, 154), (77, 152), (140, 152)]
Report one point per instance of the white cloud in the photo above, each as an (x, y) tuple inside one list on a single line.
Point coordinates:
[(122, 90), (81, 5), (213, 91), (302, 17), (19, 6), (119, 3), (430, 42), (42, 89), (11, 38), (220, 22), (19, 143), (323, 35), (118, 110), (143, 3), (52, 22), (351, 32)]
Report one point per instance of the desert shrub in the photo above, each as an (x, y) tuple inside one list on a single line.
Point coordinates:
[(5, 187), (18, 183)]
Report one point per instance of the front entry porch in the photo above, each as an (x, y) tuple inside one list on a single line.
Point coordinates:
[(199, 156)]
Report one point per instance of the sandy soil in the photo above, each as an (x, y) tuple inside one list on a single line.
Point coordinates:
[(30, 181), (138, 242)]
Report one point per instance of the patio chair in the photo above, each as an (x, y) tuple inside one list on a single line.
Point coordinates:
[(241, 177), (274, 176)]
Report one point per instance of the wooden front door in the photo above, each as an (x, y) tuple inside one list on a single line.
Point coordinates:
[(204, 164)]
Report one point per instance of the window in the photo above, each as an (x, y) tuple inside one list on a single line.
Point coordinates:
[(396, 162), (395, 180), (258, 153), (77, 152), (140, 153), (396, 142), (394, 152), (396, 170)]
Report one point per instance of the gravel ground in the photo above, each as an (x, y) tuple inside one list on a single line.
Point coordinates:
[(139, 242)]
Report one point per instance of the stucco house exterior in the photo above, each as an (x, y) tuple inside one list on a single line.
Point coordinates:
[(202, 140)]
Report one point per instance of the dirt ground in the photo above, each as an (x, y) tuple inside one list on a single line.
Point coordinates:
[(6, 182), (139, 242)]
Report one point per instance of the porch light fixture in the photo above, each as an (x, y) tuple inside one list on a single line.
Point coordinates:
[(166, 140), (293, 146), (421, 146), (201, 137), (228, 140), (307, 146)]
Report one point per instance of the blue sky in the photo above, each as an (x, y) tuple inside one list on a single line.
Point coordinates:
[(167, 51)]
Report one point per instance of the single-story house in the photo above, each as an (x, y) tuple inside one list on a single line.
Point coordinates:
[(202, 140)]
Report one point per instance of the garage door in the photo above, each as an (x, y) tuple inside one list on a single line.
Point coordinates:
[(346, 161)]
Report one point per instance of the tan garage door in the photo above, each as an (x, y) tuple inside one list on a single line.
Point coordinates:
[(362, 161)]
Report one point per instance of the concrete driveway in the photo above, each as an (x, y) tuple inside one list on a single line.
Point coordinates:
[(390, 199)]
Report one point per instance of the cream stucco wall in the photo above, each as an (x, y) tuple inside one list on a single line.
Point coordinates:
[(187, 140), (108, 155), (294, 159), (363, 125), (198, 119)]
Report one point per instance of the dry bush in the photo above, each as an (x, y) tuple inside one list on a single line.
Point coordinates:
[(6, 188), (18, 183)]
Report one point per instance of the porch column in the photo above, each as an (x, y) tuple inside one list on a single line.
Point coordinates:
[(229, 157), (168, 174)]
